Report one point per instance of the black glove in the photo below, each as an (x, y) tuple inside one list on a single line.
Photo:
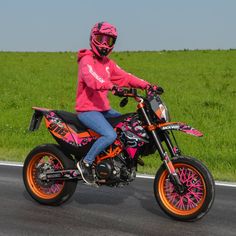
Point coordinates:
[(117, 91), (154, 89)]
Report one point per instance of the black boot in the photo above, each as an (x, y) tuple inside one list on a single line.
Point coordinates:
[(85, 170)]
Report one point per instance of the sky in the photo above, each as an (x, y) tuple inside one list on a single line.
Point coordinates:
[(64, 25)]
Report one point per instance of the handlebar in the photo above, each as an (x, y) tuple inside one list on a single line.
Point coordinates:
[(126, 93), (130, 92)]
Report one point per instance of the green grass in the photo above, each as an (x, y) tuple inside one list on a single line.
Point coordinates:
[(200, 89)]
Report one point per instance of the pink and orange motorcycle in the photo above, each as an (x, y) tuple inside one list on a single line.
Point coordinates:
[(183, 186)]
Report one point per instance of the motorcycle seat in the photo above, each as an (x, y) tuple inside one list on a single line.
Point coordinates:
[(71, 118)]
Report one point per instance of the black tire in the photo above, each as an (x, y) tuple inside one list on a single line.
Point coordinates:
[(38, 189), (199, 194)]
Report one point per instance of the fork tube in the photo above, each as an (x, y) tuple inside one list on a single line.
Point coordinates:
[(156, 138), (169, 145), (164, 156)]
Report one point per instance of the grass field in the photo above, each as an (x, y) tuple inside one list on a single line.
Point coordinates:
[(200, 89)]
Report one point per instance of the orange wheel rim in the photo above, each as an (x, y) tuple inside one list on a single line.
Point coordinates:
[(194, 196), (43, 189)]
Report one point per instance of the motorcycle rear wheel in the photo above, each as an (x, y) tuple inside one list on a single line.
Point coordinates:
[(198, 197), (42, 158)]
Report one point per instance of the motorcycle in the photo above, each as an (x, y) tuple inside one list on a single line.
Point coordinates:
[(183, 186)]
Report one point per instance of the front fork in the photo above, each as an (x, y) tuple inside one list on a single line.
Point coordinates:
[(174, 178)]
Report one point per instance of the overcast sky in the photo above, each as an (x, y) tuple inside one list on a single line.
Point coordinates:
[(64, 25)]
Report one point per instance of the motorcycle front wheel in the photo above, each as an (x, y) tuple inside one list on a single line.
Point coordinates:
[(199, 190), (43, 158)]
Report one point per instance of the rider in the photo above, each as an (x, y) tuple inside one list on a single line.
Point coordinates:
[(97, 75)]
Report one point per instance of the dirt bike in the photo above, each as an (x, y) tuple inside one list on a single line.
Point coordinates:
[(183, 186)]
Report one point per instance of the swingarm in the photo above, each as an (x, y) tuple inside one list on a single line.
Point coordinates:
[(60, 175)]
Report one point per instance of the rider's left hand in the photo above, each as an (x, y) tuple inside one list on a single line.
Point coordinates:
[(151, 89)]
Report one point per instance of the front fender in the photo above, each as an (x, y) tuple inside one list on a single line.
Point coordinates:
[(180, 127)]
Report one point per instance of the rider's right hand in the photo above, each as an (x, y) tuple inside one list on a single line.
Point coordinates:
[(118, 91)]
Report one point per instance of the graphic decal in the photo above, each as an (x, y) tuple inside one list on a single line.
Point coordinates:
[(63, 131)]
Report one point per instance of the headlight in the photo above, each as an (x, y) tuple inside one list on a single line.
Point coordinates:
[(162, 113), (160, 109)]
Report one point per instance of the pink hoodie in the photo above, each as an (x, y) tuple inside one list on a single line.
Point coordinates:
[(96, 77)]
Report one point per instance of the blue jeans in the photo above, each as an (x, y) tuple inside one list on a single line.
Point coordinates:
[(96, 121)]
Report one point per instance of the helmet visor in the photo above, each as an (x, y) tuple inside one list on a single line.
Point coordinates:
[(105, 39)]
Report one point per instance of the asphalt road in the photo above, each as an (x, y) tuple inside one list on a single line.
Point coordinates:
[(131, 210)]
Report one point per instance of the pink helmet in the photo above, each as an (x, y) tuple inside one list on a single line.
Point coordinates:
[(102, 38)]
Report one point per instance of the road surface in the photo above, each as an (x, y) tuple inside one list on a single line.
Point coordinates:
[(131, 210)]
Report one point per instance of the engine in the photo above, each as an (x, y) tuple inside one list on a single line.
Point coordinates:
[(120, 166), (114, 171)]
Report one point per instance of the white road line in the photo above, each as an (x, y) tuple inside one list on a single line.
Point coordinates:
[(219, 183), (143, 176), (6, 163)]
